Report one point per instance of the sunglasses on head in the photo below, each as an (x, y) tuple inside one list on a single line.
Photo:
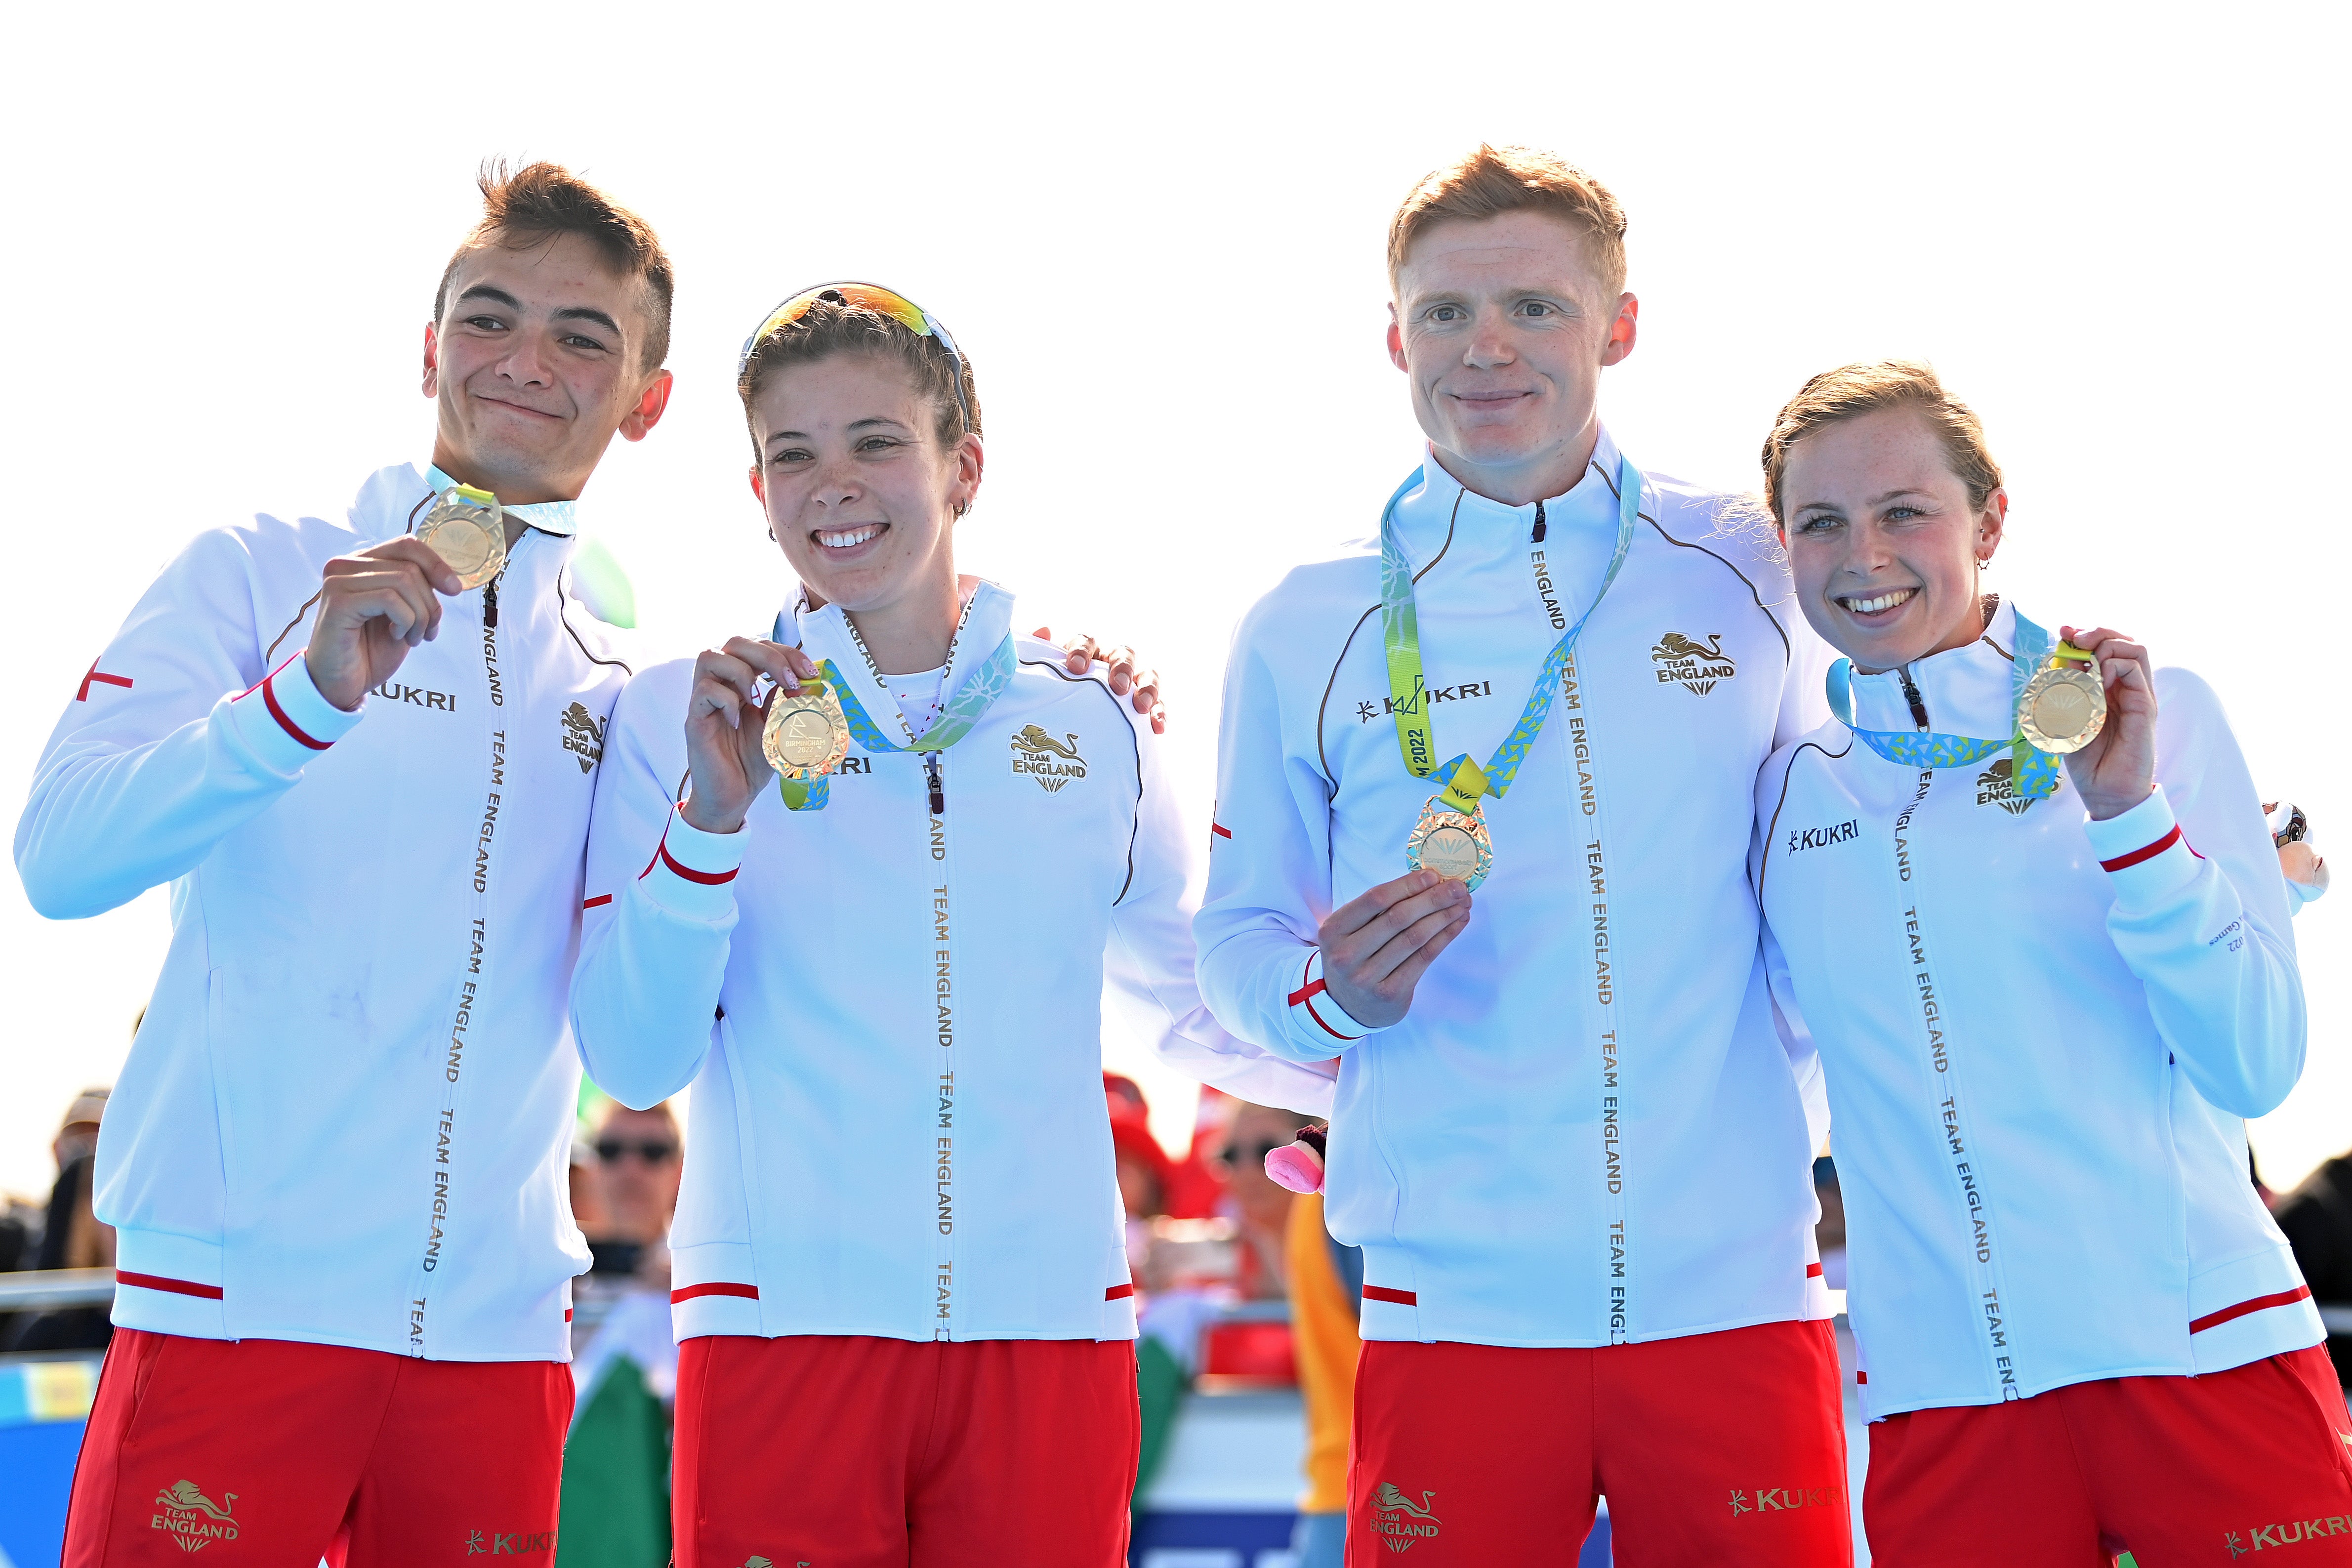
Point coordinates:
[(652, 1150), (861, 297)]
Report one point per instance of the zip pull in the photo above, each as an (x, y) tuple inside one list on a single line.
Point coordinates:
[(1911, 695), (1537, 536), (490, 604), (939, 789)]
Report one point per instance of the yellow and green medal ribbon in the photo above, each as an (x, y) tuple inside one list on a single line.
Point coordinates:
[(1465, 782)]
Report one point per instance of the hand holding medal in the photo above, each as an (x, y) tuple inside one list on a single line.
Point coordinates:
[(2109, 741), (739, 729)]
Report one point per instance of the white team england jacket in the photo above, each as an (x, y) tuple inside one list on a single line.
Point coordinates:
[(1587, 1129), (347, 1118), (2038, 1066), (892, 1019)]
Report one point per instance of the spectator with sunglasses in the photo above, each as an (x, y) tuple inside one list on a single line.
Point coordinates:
[(638, 1164), (901, 1286)]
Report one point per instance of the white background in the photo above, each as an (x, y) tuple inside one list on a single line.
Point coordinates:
[(1157, 231)]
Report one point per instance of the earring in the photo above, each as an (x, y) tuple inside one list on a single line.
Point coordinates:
[(771, 535)]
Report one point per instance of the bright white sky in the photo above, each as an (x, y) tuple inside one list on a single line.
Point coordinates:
[(1158, 232)]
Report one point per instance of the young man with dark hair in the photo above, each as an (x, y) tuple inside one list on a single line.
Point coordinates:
[(1568, 1136), (336, 1158)]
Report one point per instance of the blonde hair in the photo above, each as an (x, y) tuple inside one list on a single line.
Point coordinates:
[(1493, 180), (1853, 390)]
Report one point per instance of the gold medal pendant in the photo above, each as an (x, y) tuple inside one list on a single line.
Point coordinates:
[(1454, 844), (806, 734), (468, 529), (2063, 707)]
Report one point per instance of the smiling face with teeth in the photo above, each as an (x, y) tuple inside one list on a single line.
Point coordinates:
[(863, 499), (1883, 540)]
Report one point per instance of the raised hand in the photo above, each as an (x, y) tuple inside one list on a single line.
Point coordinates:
[(2117, 771), (1140, 687), (723, 722), (1377, 946), (373, 606)]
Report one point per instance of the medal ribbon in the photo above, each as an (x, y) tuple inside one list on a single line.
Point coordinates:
[(1464, 781), (2033, 773), (977, 693)]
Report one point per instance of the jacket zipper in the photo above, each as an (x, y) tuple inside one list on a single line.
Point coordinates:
[(1911, 695), (1537, 536), (938, 788)]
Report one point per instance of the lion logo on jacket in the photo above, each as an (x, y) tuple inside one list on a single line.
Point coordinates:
[(1053, 764), (584, 737), (1697, 666)]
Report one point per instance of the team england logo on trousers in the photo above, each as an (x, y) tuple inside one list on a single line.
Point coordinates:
[(1997, 785), (194, 1520), (1053, 764), (2292, 1532), (1398, 1521), (584, 737), (1694, 666)]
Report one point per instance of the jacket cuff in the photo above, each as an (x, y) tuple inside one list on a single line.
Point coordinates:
[(2144, 852), (287, 720), (692, 872), (1316, 1015)]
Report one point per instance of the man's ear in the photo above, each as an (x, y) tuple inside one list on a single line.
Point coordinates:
[(431, 360), (648, 411), (1621, 330), (1396, 340), (759, 485)]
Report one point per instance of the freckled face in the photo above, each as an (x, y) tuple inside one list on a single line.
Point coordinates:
[(1884, 544)]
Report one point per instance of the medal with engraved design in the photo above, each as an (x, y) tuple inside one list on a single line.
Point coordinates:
[(1456, 845), (2063, 706), (806, 734), (468, 529)]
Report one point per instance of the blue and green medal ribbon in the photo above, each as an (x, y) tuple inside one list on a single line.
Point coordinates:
[(1461, 781), (973, 699), (2033, 773)]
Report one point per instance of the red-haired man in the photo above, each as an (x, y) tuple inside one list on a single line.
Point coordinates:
[(1568, 1137)]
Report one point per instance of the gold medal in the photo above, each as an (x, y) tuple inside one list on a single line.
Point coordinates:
[(466, 529), (2063, 707), (806, 734), (1454, 844)]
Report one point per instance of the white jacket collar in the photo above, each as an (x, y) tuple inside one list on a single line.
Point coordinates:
[(1480, 525), (1965, 691)]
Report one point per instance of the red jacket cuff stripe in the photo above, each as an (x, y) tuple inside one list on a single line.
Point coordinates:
[(2145, 852), (270, 697), (707, 878)]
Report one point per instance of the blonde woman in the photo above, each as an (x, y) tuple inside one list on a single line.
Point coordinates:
[(2047, 984)]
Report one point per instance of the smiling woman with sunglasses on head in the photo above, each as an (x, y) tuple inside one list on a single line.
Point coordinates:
[(874, 937), (2021, 893)]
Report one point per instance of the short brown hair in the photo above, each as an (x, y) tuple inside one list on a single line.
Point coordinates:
[(1853, 390), (834, 326), (532, 204), (1497, 180)]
